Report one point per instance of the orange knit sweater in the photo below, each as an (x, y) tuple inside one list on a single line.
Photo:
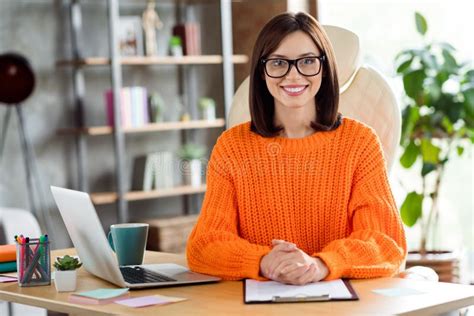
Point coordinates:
[(328, 193)]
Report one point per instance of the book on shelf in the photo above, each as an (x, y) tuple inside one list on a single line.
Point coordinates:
[(153, 171), (163, 171), (190, 34), (133, 107), (143, 169)]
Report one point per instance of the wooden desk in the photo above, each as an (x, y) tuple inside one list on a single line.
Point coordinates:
[(225, 298)]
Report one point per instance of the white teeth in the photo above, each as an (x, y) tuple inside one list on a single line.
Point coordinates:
[(294, 90)]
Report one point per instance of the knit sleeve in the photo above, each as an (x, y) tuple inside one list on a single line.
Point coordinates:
[(214, 246), (377, 246)]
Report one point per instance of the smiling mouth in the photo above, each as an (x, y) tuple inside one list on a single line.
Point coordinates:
[(294, 90)]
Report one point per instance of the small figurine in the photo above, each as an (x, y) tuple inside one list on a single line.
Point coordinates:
[(157, 107), (151, 22)]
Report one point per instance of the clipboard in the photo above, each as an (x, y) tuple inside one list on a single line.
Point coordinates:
[(278, 296)]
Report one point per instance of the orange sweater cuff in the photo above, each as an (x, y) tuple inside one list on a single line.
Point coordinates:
[(335, 263), (251, 263)]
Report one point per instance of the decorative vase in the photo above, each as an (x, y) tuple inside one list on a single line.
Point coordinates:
[(65, 281), (192, 170), (444, 263)]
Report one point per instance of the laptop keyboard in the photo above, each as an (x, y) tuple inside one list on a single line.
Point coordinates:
[(134, 275)]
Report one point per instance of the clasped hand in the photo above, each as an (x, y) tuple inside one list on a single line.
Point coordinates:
[(287, 263)]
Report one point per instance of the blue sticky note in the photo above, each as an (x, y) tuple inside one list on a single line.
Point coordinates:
[(397, 291), (101, 294)]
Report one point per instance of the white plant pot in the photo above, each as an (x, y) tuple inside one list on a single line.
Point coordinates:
[(208, 113), (65, 281), (192, 172)]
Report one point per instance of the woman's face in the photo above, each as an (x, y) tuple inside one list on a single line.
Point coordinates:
[(294, 90)]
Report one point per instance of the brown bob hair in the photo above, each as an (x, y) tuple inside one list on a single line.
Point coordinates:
[(261, 102)]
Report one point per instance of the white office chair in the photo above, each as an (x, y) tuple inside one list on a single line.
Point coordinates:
[(364, 95)]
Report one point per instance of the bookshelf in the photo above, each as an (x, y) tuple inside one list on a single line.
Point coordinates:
[(155, 60), (114, 62), (111, 197), (152, 127)]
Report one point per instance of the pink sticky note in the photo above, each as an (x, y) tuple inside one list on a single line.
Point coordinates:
[(5, 279), (142, 301)]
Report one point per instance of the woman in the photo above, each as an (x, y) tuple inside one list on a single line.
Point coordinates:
[(299, 194)]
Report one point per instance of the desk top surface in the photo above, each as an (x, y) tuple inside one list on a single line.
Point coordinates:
[(226, 298)]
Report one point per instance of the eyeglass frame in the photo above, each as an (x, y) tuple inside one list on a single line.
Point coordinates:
[(294, 62)]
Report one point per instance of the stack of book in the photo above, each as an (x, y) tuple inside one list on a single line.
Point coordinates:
[(133, 107), (7, 258), (153, 171), (190, 34), (170, 234)]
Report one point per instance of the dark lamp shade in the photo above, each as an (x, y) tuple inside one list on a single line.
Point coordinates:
[(17, 80)]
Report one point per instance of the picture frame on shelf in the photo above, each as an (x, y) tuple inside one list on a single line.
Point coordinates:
[(130, 35)]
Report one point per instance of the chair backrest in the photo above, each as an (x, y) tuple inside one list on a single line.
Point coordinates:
[(364, 93), (14, 221)]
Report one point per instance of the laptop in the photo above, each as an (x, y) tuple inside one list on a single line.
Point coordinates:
[(86, 232)]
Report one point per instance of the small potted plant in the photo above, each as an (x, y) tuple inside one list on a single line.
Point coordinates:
[(208, 108), (437, 124), (191, 155), (66, 275), (176, 48)]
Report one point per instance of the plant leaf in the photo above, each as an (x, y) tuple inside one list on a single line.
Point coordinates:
[(448, 126), (404, 66), (469, 101), (410, 117), (450, 62), (413, 83), (409, 156), (460, 150), (429, 151), (447, 46), (410, 210), (421, 25), (427, 168)]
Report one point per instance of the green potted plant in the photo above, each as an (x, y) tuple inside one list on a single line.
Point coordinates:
[(207, 107), (191, 155), (437, 123), (65, 277)]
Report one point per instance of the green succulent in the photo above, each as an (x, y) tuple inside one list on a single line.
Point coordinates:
[(67, 263), (192, 151)]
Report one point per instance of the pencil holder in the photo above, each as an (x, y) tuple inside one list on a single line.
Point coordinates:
[(33, 262)]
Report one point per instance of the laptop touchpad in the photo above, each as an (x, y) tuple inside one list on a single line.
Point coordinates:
[(169, 269)]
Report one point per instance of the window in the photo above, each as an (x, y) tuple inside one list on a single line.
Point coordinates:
[(385, 27)]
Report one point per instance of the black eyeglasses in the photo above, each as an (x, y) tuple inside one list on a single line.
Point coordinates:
[(307, 66)]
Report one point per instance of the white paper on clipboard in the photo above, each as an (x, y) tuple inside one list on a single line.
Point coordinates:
[(266, 291)]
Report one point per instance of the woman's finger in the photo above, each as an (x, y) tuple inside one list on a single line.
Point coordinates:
[(297, 273), (308, 276), (278, 258)]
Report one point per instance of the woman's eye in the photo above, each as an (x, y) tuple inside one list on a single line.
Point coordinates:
[(309, 61), (278, 62)]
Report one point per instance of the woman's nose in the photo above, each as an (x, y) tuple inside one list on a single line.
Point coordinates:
[(293, 73)]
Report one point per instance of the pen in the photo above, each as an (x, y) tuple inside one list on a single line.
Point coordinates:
[(294, 299), (22, 256), (29, 271)]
